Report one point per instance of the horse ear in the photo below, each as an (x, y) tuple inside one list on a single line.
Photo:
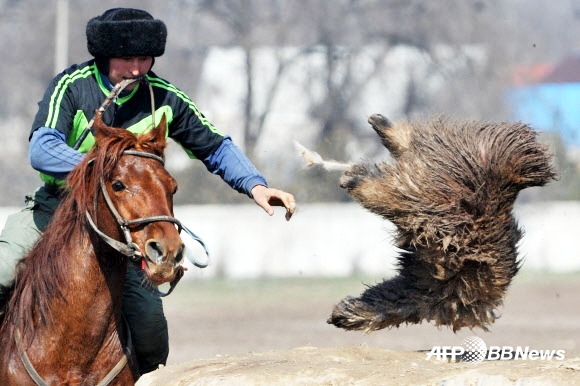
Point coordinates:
[(101, 129), (161, 130)]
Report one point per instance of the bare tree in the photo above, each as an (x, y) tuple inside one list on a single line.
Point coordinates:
[(469, 49)]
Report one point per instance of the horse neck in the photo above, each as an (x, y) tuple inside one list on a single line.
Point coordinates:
[(102, 278), (93, 291), (76, 290), (83, 311)]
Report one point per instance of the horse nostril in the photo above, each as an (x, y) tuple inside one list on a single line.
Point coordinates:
[(179, 255), (155, 251)]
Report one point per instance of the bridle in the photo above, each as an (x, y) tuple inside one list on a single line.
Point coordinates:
[(130, 248)]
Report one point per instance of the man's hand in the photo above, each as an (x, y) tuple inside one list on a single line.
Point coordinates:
[(268, 197)]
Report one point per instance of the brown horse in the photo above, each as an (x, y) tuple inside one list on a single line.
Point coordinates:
[(62, 323)]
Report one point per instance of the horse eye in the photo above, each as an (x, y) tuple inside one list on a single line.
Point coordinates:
[(118, 186), (175, 190)]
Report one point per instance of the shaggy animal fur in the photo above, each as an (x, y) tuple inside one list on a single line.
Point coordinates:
[(450, 192)]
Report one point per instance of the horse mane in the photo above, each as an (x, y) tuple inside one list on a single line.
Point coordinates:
[(41, 275)]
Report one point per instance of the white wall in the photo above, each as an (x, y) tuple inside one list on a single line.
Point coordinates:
[(342, 239)]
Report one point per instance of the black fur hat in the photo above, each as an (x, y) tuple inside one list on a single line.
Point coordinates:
[(121, 32)]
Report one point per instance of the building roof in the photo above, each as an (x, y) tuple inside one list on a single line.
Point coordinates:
[(530, 74), (567, 71)]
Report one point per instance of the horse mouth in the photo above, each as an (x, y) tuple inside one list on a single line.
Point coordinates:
[(156, 274)]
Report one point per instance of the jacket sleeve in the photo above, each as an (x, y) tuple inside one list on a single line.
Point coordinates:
[(234, 167), (55, 112), (48, 153)]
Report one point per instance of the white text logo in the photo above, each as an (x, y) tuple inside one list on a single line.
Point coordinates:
[(474, 350)]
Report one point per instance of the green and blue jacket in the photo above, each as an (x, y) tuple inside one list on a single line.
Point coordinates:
[(72, 97)]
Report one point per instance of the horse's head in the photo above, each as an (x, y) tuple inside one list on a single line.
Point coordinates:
[(136, 201)]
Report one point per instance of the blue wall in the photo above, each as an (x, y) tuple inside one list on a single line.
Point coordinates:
[(549, 107)]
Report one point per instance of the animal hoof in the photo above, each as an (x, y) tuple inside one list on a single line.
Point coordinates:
[(379, 122), (349, 181)]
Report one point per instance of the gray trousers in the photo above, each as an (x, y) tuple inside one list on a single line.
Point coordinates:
[(142, 309)]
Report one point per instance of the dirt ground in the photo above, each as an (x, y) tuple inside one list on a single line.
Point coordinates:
[(274, 332)]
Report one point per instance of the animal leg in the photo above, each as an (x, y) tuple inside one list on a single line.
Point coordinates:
[(396, 138), (385, 305), (313, 158), (380, 189), (457, 299)]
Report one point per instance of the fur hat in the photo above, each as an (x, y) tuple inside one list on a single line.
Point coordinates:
[(121, 32)]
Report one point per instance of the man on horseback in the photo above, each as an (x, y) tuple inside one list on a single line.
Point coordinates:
[(124, 43)]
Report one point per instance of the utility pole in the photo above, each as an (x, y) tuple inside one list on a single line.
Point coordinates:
[(61, 36)]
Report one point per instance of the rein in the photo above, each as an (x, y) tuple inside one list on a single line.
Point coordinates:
[(115, 91), (108, 378)]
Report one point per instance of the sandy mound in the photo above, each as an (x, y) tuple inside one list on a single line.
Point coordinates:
[(274, 332), (360, 366)]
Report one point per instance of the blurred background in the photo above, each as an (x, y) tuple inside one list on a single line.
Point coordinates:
[(268, 72)]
